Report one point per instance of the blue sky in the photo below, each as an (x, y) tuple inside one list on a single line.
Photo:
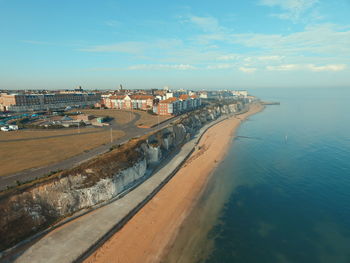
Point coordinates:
[(181, 44)]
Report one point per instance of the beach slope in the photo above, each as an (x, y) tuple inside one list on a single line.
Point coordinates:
[(146, 237)]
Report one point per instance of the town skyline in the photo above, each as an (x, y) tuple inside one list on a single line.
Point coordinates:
[(252, 44)]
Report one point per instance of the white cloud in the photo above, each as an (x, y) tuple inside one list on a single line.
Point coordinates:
[(323, 44), (209, 24), (188, 54), (123, 47), (135, 47), (270, 58), (248, 59), (229, 57), (294, 9), (290, 4), (325, 39), (204, 39), (287, 67), (307, 67), (104, 69), (34, 42), (162, 67), (338, 67), (247, 70), (220, 66), (112, 23)]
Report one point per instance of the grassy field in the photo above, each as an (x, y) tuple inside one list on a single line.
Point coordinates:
[(37, 148), (148, 120), (16, 156), (119, 116), (33, 134)]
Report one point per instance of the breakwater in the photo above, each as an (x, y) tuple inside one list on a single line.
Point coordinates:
[(270, 103)]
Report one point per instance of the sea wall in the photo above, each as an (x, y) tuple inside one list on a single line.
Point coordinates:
[(31, 208)]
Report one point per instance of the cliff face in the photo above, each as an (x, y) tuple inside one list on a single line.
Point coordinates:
[(32, 208)]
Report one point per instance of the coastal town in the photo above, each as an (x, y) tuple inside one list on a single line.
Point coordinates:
[(83, 124), (175, 131), (155, 100), (149, 134), (41, 108)]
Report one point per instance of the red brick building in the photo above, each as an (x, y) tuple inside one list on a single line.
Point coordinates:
[(127, 102)]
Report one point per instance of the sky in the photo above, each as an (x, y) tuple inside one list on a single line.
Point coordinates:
[(201, 44)]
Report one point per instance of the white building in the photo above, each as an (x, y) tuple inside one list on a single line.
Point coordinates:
[(240, 93)]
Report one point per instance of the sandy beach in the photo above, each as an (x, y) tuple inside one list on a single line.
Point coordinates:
[(146, 237)]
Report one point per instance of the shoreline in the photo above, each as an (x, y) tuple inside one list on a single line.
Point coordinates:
[(83, 235), (154, 228)]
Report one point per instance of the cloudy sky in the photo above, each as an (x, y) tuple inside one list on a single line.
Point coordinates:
[(181, 44)]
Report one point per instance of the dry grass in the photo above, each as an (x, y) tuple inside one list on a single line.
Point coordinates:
[(125, 116), (149, 120), (20, 155), (25, 133), (119, 116)]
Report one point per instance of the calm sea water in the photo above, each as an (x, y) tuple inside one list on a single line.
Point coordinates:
[(278, 199)]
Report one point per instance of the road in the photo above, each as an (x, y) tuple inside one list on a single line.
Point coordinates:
[(130, 129)]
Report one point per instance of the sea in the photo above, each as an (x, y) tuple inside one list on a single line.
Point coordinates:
[(282, 193)]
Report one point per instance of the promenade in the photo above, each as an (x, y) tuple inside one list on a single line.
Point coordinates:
[(78, 238)]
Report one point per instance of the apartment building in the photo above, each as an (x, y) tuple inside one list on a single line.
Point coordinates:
[(127, 102), (240, 93), (28, 102), (174, 106), (169, 106)]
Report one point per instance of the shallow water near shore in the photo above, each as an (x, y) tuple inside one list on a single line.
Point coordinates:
[(282, 192)]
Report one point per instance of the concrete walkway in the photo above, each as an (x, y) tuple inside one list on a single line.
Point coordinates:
[(76, 239)]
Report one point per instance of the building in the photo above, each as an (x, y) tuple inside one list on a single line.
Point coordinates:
[(240, 93), (169, 106), (127, 102), (67, 91), (30, 102), (143, 102), (160, 93), (186, 102), (174, 106), (84, 117), (113, 101), (196, 102), (203, 94)]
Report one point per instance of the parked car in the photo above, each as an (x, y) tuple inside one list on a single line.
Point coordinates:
[(13, 127), (9, 128), (4, 128)]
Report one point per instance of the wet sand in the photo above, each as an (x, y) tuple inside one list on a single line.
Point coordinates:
[(148, 235)]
